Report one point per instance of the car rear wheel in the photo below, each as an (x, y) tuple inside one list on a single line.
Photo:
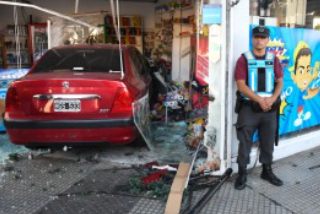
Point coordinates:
[(139, 142), (35, 147), (44, 147)]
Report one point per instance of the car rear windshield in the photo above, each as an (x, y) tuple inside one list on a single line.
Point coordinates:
[(79, 60)]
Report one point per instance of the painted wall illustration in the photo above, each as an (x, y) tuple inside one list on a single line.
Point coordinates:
[(299, 53)]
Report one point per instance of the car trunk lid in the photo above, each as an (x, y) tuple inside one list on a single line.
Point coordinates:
[(68, 94)]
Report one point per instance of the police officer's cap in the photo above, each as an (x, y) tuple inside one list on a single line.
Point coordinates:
[(261, 31)]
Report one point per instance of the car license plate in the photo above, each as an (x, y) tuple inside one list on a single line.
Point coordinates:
[(73, 105)]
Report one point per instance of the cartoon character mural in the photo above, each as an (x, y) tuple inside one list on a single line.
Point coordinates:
[(302, 75), (299, 53), (277, 47)]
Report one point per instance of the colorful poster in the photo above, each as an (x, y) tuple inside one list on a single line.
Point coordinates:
[(299, 52)]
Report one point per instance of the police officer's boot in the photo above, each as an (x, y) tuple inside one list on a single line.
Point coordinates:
[(241, 179), (268, 175)]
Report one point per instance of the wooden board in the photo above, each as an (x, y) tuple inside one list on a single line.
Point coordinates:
[(175, 196)]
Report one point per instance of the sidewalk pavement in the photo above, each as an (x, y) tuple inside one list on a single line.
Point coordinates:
[(46, 185)]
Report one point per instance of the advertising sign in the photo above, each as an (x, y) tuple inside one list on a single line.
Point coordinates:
[(212, 14)]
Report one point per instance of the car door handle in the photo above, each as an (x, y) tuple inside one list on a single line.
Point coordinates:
[(66, 96)]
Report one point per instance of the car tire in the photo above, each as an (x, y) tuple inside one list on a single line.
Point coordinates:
[(34, 147), (139, 142)]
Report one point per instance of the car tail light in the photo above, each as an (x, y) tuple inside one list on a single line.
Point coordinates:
[(11, 98), (122, 102)]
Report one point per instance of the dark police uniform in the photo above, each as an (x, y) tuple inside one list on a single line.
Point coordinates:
[(261, 74)]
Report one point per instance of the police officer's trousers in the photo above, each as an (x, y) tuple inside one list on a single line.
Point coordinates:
[(249, 121)]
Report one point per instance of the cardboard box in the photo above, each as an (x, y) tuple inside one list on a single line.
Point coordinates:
[(2, 128), (1, 107)]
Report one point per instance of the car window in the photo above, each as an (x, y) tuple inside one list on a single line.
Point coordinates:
[(140, 63), (147, 68), (79, 60), (136, 61)]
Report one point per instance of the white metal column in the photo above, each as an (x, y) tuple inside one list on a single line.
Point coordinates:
[(216, 127)]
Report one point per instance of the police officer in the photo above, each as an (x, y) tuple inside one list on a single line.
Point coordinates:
[(258, 75)]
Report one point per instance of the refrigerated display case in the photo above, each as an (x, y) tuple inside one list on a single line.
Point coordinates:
[(38, 40), (6, 77)]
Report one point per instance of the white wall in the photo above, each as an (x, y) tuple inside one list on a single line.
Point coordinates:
[(215, 135), (144, 9), (181, 47), (239, 43)]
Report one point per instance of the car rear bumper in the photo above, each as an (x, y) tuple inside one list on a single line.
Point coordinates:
[(66, 124), (120, 131)]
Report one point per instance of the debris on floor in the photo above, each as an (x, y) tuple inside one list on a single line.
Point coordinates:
[(180, 102), (196, 131), (150, 182), (169, 141), (9, 150)]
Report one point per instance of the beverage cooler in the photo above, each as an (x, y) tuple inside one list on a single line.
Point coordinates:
[(6, 77)]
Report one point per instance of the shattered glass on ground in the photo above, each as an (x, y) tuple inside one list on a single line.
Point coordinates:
[(7, 148), (169, 141)]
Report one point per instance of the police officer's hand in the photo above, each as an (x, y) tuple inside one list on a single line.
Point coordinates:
[(263, 104), (269, 101)]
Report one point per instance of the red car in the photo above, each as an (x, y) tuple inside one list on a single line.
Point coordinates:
[(76, 94)]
